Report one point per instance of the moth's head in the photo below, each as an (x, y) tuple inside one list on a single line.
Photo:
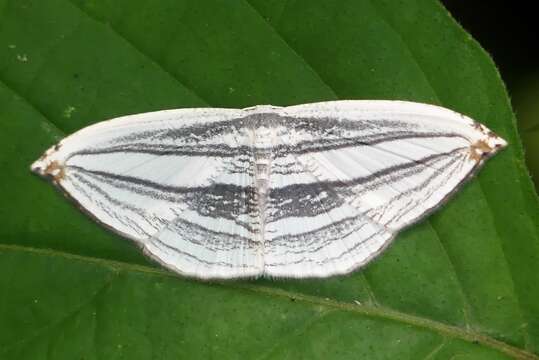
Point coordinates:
[(487, 145), (48, 165)]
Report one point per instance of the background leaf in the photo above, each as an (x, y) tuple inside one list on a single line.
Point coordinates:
[(461, 283), (527, 109)]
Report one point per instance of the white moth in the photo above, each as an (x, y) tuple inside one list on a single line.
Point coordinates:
[(303, 191)]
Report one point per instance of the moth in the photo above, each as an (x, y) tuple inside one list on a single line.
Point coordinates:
[(311, 190)]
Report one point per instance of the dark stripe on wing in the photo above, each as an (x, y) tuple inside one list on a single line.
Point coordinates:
[(225, 151), (305, 260), (338, 191), (215, 201), (200, 260), (201, 131)]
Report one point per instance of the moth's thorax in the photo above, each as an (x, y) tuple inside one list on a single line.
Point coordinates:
[(264, 138)]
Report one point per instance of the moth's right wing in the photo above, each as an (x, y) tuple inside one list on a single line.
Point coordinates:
[(351, 174)]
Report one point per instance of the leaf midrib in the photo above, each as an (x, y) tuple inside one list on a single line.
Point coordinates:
[(355, 308)]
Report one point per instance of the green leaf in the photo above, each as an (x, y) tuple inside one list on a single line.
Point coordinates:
[(463, 283)]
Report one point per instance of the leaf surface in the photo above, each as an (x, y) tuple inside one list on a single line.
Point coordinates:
[(463, 282)]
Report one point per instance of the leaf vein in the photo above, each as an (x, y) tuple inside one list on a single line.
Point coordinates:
[(359, 309)]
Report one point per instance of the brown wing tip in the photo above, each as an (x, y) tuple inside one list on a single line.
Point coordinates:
[(488, 145), (46, 167)]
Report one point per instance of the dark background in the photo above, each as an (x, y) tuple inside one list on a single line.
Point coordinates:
[(508, 30)]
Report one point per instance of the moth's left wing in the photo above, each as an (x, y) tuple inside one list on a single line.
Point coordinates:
[(178, 182)]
